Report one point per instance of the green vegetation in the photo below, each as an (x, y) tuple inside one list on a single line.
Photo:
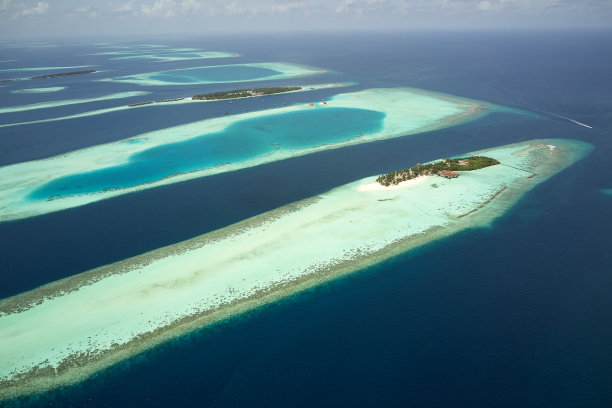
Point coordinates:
[(61, 74), (444, 168), (244, 93)]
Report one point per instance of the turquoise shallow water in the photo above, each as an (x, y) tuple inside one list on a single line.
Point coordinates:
[(243, 140), (213, 74)]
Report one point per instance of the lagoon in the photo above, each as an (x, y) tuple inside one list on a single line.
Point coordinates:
[(241, 141), (201, 148), (220, 74)]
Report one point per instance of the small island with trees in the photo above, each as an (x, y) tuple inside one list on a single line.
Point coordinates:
[(63, 74), (235, 94), (245, 93), (444, 168)]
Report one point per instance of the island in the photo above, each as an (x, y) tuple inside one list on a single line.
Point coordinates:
[(444, 168), (60, 74), (66, 331), (245, 93), (63, 74), (235, 94)]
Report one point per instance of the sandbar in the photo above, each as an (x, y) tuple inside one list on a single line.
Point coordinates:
[(407, 111), (143, 50), (39, 90), (66, 331), (179, 55), (64, 102)]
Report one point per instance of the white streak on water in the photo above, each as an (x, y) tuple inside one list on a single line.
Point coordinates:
[(570, 119)]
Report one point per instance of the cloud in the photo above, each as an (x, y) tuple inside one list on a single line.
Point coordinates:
[(161, 8), (177, 9), (360, 6), (84, 11), (484, 6), (40, 8), (166, 8), (285, 7), (257, 15), (125, 8), (191, 5)]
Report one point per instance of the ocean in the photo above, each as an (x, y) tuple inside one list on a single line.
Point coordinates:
[(517, 314)]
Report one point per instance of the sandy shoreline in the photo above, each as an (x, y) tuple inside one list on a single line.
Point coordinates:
[(404, 184), (82, 324)]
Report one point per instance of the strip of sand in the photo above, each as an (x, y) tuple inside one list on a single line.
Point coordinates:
[(64, 102), (375, 186)]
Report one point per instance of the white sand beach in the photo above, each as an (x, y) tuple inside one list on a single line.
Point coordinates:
[(375, 186)]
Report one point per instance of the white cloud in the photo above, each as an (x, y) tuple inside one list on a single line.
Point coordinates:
[(233, 8), (161, 8), (125, 8), (360, 6), (191, 5), (86, 11), (288, 7), (40, 8), (484, 5)]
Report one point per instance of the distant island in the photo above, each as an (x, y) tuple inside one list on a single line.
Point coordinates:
[(62, 74), (235, 94), (245, 93), (157, 101), (445, 168)]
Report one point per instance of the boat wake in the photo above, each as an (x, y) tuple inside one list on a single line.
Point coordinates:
[(566, 118)]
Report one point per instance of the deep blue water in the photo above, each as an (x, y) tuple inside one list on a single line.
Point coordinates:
[(517, 315), (241, 141)]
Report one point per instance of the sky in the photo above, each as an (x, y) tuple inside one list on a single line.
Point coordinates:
[(21, 19)]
